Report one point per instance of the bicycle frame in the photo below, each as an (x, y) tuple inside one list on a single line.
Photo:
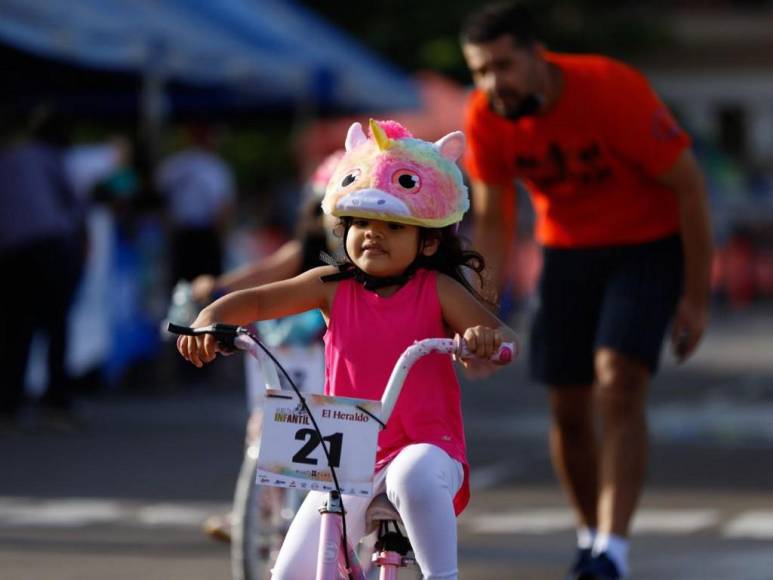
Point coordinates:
[(330, 557), (331, 562)]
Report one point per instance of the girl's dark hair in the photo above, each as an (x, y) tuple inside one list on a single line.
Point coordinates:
[(451, 257), (498, 19)]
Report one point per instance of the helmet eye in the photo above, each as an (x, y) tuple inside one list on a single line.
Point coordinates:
[(350, 178), (407, 180)]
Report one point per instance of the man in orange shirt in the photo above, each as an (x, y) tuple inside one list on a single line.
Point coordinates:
[(623, 220)]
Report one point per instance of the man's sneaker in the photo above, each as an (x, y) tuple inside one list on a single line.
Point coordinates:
[(600, 568), (580, 564)]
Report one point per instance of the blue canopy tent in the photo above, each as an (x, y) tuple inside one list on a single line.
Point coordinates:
[(209, 55), (240, 52)]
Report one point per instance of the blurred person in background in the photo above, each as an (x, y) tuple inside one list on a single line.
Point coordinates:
[(623, 221), (88, 165), (42, 249), (297, 339), (297, 255), (197, 187), (93, 168)]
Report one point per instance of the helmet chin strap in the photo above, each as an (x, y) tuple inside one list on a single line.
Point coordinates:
[(373, 283), (368, 281)]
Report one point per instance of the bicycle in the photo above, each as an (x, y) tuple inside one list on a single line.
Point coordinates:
[(260, 516), (357, 425)]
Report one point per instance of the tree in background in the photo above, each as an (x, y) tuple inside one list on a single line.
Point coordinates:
[(425, 35)]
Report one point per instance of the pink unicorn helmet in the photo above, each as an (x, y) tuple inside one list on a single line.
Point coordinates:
[(395, 177)]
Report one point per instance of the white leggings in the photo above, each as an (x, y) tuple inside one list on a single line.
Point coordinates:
[(421, 482)]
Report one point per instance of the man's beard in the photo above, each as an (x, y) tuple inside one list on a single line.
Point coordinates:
[(528, 106)]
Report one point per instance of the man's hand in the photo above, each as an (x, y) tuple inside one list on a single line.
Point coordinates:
[(689, 325)]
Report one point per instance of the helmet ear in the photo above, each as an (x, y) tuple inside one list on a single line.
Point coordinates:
[(451, 146), (355, 136)]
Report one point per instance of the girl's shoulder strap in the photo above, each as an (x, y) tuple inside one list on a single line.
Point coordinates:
[(345, 271)]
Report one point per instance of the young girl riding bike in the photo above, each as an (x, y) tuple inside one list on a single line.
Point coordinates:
[(399, 200)]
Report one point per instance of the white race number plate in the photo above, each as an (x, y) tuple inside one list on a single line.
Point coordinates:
[(291, 453)]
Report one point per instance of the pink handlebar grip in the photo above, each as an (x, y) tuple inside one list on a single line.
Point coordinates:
[(507, 353)]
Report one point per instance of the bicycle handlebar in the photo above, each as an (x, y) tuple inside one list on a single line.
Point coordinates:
[(507, 353), (224, 334), (231, 337)]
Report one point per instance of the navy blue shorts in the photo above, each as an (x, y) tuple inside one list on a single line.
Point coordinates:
[(620, 297)]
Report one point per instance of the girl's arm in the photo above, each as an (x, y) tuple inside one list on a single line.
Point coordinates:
[(303, 292), (465, 315)]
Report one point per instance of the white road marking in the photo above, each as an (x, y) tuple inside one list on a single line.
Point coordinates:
[(539, 521), (548, 520), (172, 515), (757, 524), (59, 513), (78, 512), (662, 521)]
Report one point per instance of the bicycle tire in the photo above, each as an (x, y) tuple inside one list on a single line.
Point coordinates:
[(261, 518)]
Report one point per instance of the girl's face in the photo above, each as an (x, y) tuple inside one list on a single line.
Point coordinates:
[(382, 248)]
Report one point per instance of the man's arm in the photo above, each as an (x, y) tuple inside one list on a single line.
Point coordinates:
[(686, 180), (284, 263), (490, 236)]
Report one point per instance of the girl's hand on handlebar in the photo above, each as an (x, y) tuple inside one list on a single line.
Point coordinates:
[(200, 349), (482, 341)]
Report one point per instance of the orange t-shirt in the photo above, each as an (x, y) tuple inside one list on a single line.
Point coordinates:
[(590, 162)]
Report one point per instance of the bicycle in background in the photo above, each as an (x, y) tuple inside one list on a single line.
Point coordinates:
[(260, 516)]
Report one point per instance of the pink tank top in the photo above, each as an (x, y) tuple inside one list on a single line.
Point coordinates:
[(366, 335)]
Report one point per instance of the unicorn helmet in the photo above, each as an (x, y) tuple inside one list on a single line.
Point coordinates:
[(392, 176)]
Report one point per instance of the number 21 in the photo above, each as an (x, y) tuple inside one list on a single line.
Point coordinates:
[(335, 441)]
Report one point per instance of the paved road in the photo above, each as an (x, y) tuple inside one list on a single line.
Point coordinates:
[(124, 498)]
